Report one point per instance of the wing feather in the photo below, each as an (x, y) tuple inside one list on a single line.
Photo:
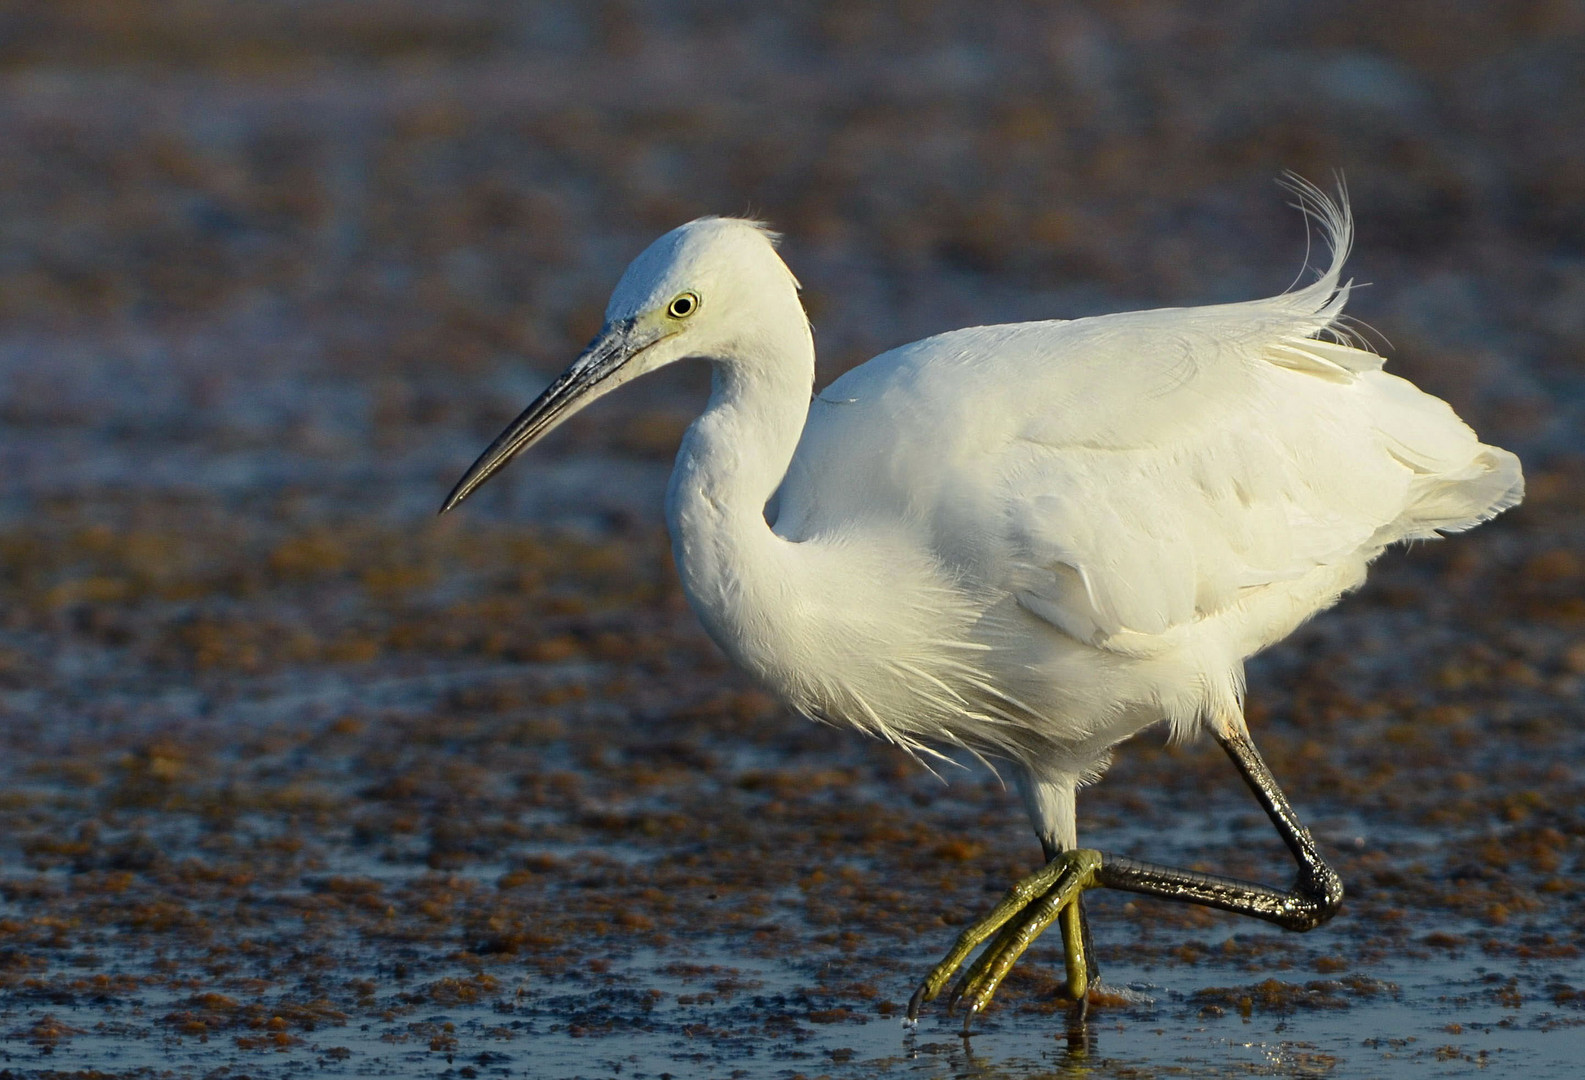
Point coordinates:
[(1131, 474)]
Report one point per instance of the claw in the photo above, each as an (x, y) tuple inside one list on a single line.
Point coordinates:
[(1029, 907), (1018, 897), (968, 1020)]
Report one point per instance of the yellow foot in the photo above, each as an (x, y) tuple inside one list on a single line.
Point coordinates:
[(1030, 906)]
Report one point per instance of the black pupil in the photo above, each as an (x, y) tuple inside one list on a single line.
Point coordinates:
[(682, 305)]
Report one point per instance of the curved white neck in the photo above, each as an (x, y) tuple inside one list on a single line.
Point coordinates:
[(731, 461)]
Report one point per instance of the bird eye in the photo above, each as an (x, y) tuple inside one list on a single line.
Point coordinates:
[(683, 305)]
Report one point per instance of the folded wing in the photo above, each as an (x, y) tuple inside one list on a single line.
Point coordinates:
[(1129, 475)]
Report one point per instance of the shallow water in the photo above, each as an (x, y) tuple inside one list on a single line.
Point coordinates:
[(682, 1012)]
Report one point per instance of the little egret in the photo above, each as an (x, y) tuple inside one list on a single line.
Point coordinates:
[(1031, 541)]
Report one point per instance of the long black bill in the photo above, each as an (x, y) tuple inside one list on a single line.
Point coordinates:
[(572, 389)]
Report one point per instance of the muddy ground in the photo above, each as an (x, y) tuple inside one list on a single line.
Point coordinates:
[(297, 779)]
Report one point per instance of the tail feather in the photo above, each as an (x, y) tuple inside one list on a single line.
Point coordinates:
[(1452, 502)]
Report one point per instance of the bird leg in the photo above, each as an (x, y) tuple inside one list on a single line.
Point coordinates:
[(1053, 893), (1317, 891), (979, 983), (1077, 947), (1030, 906)]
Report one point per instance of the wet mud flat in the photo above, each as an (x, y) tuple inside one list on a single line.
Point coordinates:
[(296, 779), (474, 799)]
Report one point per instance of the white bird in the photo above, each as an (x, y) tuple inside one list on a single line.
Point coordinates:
[(1031, 541)]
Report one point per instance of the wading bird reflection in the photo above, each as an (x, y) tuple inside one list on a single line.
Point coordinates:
[(1031, 541)]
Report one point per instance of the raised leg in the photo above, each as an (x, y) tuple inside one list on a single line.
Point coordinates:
[(1316, 893), (1053, 893)]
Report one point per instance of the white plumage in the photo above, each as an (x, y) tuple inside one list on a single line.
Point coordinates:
[(1034, 540), (1031, 540)]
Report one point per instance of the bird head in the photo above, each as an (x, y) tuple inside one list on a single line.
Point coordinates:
[(701, 290)]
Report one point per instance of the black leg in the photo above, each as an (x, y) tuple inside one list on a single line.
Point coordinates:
[(1316, 893)]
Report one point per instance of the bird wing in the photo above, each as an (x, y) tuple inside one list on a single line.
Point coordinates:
[(1301, 470), (1128, 474)]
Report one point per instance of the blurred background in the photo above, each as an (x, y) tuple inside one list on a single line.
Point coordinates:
[(288, 763)]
